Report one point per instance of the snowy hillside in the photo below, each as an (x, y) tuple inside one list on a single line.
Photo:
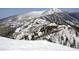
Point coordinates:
[(52, 25), (9, 44)]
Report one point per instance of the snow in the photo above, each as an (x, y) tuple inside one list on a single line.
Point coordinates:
[(61, 33), (56, 10), (40, 33), (40, 22), (51, 11), (10, 44), (52, 24)]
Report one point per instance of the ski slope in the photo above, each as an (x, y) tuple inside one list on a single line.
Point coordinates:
[(8, 44)]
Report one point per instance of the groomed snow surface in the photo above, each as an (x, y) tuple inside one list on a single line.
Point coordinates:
[(9, 44)]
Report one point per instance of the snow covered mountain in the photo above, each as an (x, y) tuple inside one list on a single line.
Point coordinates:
[(53, 25)]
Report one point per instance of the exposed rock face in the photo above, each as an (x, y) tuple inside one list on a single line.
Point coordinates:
[(53, 25)]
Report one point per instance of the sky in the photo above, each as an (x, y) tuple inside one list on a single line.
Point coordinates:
[(6, 12)]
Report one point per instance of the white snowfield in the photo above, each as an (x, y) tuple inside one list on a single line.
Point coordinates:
[(9, 44)]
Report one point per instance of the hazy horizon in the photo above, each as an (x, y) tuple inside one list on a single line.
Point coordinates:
[(6, 12)]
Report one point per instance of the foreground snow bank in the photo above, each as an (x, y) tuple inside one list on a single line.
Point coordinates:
[(8, 44)]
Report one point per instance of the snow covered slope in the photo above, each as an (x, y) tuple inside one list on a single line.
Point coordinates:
[(53, 25), (9, 44)]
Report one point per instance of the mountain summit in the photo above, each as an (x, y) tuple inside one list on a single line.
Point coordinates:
[(52, 10)]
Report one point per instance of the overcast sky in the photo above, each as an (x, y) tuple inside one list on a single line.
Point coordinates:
[(5, 12)]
